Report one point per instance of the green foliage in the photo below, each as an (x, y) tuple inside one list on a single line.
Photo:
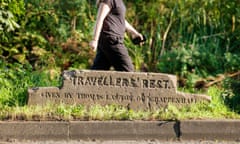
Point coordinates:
[(15, 79), (47, 30), (203, 35), (205, 31), (231, 61), (10, 13), (9, 80), (7, 22), (10, 10), (191, 38), (231, 94)]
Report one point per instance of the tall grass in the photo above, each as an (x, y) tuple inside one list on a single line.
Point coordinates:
[(15, 79), (199, 37)]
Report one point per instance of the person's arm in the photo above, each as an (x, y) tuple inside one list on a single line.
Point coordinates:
[(103, 10), (130, 29)]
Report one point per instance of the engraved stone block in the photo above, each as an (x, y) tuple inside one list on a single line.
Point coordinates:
[(136, 90)]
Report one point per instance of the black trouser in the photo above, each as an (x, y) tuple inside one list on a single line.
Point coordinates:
[(112, 52)]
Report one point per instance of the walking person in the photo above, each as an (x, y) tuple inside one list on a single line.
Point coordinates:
[(108, 37)]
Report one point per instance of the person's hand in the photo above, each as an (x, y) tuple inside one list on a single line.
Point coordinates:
[(142, 39), (139, 39), (93, 44)]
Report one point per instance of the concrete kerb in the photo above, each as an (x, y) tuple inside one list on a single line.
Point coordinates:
[(210, 130), (117, 130), (34, 130), (121, 130)]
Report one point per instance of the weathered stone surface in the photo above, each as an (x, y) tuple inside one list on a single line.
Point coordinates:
[(135, 90), (210, 130), (127, 130), (227, 131), (33, 130)]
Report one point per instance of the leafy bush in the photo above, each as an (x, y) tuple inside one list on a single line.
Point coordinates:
[(206, 31), (15, 79), (231, 94), (44, 33)]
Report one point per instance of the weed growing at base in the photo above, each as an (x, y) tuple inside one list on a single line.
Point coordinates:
[(213, 110)]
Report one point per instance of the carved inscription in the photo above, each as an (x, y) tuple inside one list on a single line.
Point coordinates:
[(89, 96), (119, 98), (121, 82), (165, 84), (134, 90), (50, 95)]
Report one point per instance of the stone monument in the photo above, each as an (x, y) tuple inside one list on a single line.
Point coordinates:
[(135, 90)]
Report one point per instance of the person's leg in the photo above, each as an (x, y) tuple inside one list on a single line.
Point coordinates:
[(122, 60), (100, 61), (117, 53)]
